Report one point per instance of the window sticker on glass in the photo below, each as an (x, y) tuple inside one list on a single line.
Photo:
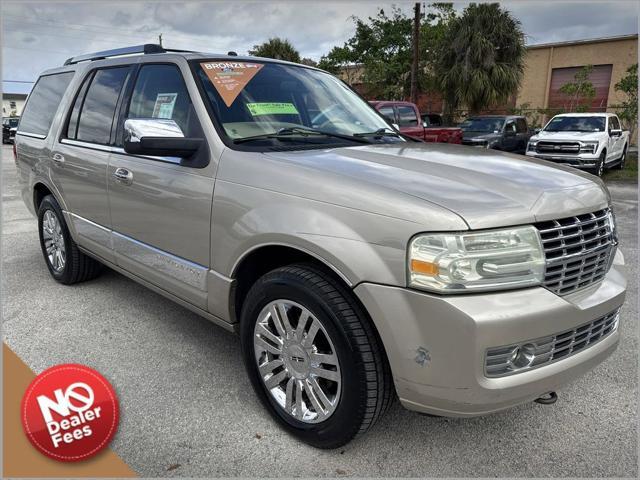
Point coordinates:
[(272, 108), (164, 105), (230, 78)]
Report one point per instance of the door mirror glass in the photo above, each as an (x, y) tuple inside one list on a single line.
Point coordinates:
[(158, 137)]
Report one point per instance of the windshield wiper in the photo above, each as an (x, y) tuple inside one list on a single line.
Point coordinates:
[(304, 131), (381, 132)]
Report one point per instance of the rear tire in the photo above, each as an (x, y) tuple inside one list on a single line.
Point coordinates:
[(362, 388), (623, 159), (66, 263)]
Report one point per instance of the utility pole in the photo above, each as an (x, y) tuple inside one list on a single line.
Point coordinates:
[(160, 39), (416, 53)]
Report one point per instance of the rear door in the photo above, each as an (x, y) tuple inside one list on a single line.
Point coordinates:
[(161, 214), (81, 156)]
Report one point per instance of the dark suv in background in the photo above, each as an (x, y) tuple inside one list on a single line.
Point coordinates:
[(509, 133), (9, 126)]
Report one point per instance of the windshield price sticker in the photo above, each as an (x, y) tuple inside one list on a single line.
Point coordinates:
[(272, 108), (229, 78), (70, 412)]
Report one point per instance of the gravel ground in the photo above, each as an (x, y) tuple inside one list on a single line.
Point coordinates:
[(188, 408)]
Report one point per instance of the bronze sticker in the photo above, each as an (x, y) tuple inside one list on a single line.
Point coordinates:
[(230, 78)]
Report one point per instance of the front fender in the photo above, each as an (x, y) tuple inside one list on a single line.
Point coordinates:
[(359, 246)]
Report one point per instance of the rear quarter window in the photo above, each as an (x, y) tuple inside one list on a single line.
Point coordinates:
[(44, 102)]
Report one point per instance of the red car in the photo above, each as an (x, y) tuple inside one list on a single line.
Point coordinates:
[(407, 117)]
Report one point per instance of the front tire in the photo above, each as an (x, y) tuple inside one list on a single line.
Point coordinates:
[(66, 263), (600, 166), (313, 357)]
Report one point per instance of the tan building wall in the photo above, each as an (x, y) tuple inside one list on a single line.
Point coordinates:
[(621, 52)]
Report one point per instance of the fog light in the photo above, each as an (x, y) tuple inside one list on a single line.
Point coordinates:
[(522, 356)]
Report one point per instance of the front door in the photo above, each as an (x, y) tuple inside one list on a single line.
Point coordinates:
[(409, 122), (160, 209)]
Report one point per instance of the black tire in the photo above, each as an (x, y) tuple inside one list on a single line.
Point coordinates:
[(78, 267), (623, 159), (600, 166), (367, 385)]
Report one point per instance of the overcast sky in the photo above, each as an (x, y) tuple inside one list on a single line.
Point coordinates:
[(40, 35)]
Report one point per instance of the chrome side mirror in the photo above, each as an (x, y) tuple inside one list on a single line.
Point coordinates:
[(158, 137), (137, 128)]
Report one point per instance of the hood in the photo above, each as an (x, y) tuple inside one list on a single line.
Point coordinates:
[(567, 135), (485, 187)]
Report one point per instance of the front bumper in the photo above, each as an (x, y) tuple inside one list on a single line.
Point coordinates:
[(436, 344), (582, 160)]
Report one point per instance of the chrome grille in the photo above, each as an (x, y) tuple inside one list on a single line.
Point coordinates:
[(558, 147), (578, 250), (501, 361)]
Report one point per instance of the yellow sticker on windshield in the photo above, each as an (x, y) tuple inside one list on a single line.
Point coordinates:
[(272, 108)]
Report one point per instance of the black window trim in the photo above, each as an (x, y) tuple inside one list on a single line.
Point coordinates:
[(62, 138), (24, 108)]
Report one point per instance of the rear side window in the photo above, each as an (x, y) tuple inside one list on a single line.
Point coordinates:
[(43, 103), (160, 92), (407, 116), (97, 110)]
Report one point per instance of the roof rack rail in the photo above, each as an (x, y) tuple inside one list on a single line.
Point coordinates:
[(145, 49)]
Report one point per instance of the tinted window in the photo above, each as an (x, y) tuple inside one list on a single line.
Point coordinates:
[(486, 124), (521, 125), (434, 120), (407, 116), (614, 123), (387, 112), (99, 105), (510, 127), (160, 92), (43, 103)]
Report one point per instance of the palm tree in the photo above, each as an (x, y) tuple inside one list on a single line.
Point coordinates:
[(278, 48), (482, 58)]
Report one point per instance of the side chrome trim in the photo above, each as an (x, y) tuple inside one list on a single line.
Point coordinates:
[(32, 135), (92, 146), (92, 231), (183, 270), (119, 150)]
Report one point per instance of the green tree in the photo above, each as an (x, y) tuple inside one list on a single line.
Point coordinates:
[(278, 48), (379, 52), (481, 62), (581, 91), (628, 109)]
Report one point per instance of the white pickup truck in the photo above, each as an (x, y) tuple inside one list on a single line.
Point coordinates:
[(593, 141)]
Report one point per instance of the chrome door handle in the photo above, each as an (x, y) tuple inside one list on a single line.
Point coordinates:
[(123, 175), (58, 158)]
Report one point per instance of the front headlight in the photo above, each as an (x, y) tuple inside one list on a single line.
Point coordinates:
[(531, 146), (588, 147), (474, 261)]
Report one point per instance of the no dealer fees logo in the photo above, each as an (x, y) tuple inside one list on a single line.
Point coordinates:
[(70, 412)]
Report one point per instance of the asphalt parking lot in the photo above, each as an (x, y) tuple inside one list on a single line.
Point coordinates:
[(188, 408)]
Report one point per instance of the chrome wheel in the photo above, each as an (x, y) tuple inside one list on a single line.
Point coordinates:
[(297, 361), (53, 241)]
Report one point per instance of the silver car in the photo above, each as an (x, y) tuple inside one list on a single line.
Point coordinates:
[(356, 265)]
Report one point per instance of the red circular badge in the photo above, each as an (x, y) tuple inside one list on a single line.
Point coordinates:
[(70, 412)]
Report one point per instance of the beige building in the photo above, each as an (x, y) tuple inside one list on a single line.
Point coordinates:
[(549, 66), (12, 104)]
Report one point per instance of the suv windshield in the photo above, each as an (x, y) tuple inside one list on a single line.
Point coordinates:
[(575, 124), (482, 124), (273, 103)]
